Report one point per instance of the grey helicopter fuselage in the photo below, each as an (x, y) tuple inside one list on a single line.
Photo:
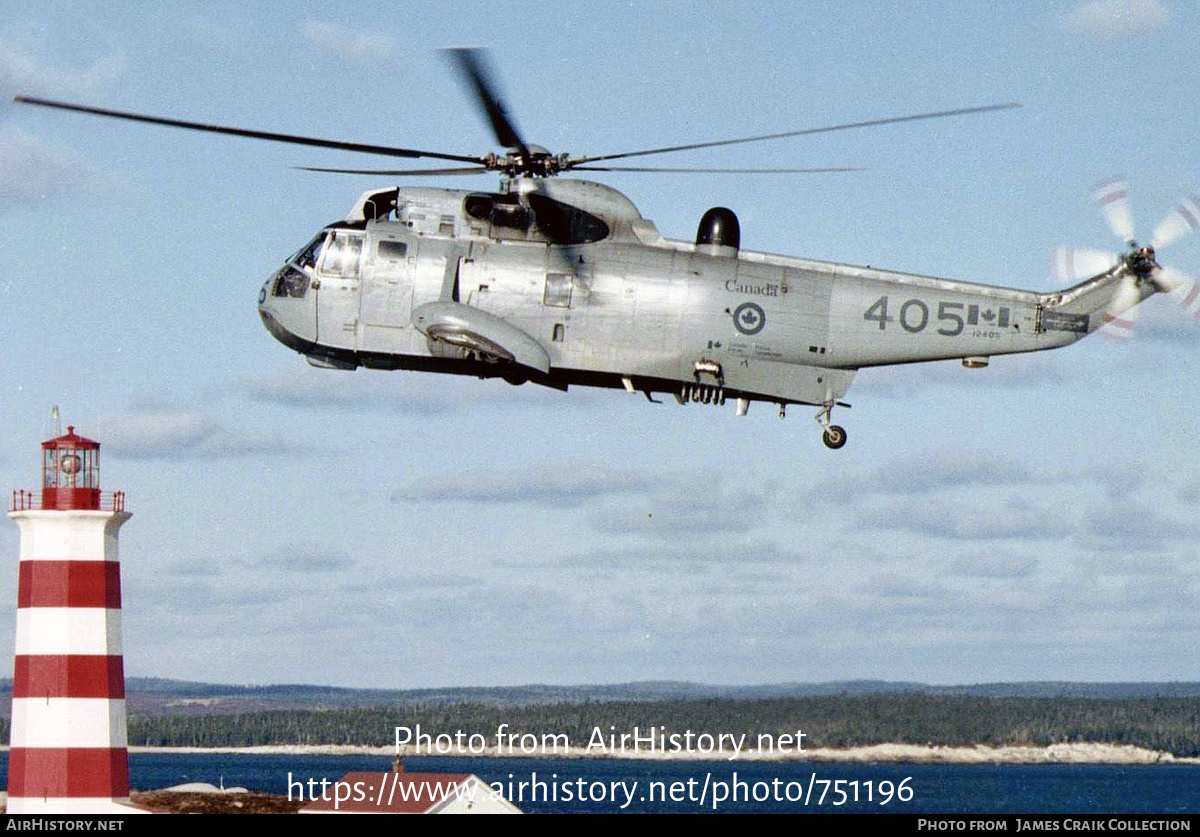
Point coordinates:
[(563, 282)]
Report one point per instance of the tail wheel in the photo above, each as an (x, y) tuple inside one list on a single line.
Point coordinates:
[(834, 437)]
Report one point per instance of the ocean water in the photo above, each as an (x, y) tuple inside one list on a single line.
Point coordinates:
[(604, 785)]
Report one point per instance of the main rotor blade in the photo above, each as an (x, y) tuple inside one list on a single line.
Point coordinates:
[(714, 171), (396, 172), (470, 63), (870, 123), (383, 150)]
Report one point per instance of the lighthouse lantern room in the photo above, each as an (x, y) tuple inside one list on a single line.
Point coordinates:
[(70, 472)]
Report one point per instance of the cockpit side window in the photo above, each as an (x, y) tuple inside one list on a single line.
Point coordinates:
[(309, 255)]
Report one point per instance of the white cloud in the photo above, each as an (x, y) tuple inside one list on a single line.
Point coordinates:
[(969, 520), (655, 505), (296, 558), (22, 73), (1131, 529), (565, 486), (925, 474), (1107, 21), (993, 565), (31, 168), (335, 39), (682, 557), (181, 433), (299, 385), (686, 506), (1015, 372)]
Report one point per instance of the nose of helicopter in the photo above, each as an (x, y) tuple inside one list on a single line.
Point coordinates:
[(287, 309)]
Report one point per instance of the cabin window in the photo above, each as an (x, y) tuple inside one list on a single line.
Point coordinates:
[(341, 254), (559, 332), (558, 290), (391, 249)]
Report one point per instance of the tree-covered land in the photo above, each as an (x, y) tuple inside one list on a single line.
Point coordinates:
[(1168, 724)]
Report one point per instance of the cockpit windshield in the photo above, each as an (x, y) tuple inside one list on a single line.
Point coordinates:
[(309, 255), (290, 282), (293, 278)]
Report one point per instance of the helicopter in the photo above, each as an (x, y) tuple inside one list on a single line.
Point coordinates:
[(562, 282)]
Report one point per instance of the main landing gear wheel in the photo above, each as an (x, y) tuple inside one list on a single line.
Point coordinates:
[(834, 436)]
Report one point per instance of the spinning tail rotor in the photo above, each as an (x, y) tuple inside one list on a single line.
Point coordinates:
[(1143, 275)]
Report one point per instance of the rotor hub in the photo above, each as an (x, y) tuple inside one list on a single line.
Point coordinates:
[(1140, 260), (533, 161)]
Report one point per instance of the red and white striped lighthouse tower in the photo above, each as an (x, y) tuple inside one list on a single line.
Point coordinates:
[(69, 750)]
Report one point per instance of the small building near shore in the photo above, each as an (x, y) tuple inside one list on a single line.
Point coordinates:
[(401, 792)]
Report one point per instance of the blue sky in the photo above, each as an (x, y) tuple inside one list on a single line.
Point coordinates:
[(1033, 520)]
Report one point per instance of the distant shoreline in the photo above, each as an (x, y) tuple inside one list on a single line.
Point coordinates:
[(1075, 753)]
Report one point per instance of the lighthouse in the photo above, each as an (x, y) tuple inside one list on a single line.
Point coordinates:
[(69, 748)]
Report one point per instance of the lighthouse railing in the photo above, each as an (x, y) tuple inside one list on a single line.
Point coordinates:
[(31, 500)]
